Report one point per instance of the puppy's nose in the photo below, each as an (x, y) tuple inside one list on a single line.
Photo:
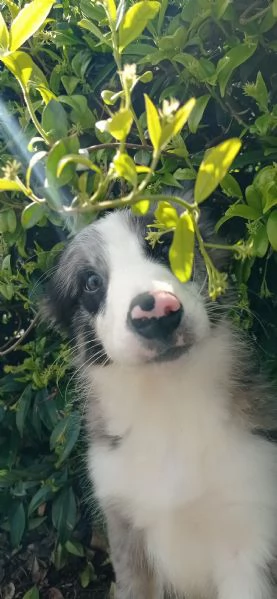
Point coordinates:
[(155, 315)]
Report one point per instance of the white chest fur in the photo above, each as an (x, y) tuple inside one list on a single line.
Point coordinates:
[(202, 489)]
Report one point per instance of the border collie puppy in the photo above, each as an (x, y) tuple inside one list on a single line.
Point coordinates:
[(187, 485)]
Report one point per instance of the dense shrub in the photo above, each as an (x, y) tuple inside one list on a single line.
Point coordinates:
[(77, 135)]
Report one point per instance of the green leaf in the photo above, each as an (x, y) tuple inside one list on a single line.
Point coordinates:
[(70, 83), (181, 252), (110, 7), (258, 91), (166, 214), (28, 21), (271, 228), (17, 521), (32, 593), (146, 77), (61, 150), (54, 120), (9, 185), (253, 197), (64, 436), (176, 124), (153, 123), (274, 8), (22, 409), (31, 215), (214, 167), (75, 548), (78, 159), (231, 61), (184, 174), (120, 123), (260, 241), (41, 496), (86, 24), (241, 210), (231, 187), (197, 112), (87, 575), (4, 34), (64, 514), (125, 168), (135, 20)]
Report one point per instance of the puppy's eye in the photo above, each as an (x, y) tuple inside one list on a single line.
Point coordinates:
[(93, 282)]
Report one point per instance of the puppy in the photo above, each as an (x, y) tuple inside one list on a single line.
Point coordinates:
[(187, 485)]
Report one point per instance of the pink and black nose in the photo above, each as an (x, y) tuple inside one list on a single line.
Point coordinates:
[(155, 315)]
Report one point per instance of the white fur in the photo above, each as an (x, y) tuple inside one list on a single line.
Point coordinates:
[(202, 487)]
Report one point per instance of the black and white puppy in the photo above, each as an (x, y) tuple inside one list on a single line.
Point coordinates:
[(188, 488)]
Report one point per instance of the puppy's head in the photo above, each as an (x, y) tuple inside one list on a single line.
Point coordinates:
[(119, 298)]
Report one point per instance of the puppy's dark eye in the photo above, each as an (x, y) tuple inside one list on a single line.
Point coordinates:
[(93, 282)]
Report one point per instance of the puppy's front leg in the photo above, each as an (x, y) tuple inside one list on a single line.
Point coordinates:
[(134, 579)]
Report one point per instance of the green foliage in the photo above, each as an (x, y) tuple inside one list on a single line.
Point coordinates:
[(104, 105)]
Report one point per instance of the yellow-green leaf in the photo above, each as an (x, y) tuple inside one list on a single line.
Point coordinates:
[(28, 21), (141, 207), (14, 10), (135, 21), (4, 34), (79, 160), (271, 228), (174, 127), (9, 185), (214, 167), (181, 252), (24, 69), (120, 124), (153, 123), (166, 214), (126, 168), (110, 7)]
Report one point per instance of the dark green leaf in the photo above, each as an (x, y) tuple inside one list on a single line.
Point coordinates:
[(64, 514), (17, 520), (271, 228), (22, 408), (54, 120)]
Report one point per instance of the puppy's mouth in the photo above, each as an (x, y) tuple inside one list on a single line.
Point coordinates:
[(171, 353)]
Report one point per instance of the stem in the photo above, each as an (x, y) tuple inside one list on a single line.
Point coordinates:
[(33, 116)]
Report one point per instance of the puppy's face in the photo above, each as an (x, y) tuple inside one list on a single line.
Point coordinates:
[(119, 298)]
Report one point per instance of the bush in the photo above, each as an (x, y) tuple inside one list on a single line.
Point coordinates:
[(80, 134)]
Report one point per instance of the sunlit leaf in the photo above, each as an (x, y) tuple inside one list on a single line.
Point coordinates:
[(9, 185), (176, 124), (271, 228), (24, 69), (34, 160), (126, 168), (153, 123), (4, 34), (181, 253), (120, 124), (28, 21), (86, 24), (141, 207), (166, 214), (79, 160), (214, 167), (135, 20)]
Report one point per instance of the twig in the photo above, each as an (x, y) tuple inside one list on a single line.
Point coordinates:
[(130, 146), (23, 336)]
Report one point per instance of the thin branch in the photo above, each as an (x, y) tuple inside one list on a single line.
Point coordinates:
[(23, 336), (130, 146)]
